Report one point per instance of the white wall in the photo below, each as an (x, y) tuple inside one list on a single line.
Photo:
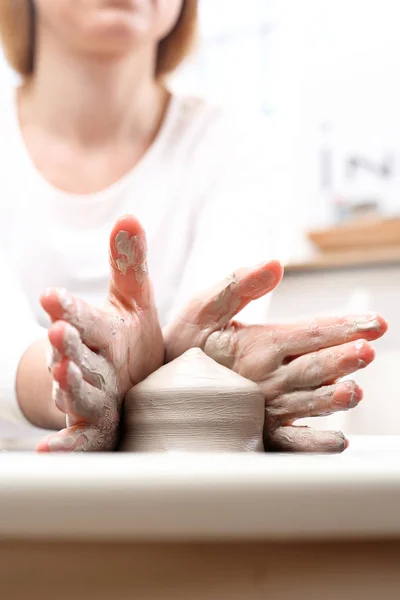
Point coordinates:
[(233, 60), (307, 61), (342, 61), (310, 62)]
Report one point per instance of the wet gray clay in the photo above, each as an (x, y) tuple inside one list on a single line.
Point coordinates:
[(193, 404)]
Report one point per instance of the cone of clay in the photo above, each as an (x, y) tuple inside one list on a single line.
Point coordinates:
[(193, 404)]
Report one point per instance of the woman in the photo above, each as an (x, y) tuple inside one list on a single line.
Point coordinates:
[(93, 133)]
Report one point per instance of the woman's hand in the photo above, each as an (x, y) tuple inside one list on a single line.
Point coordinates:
[(296, 366), (98, 355)]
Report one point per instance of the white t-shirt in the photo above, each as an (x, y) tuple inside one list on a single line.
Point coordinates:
[(207, 193)]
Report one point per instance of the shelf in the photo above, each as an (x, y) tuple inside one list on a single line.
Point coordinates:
[(349, 259)]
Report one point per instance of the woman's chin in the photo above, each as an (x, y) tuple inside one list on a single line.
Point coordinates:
[(121, 21), (114, 31)]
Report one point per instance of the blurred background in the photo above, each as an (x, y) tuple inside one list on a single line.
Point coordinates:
[(326, 71)]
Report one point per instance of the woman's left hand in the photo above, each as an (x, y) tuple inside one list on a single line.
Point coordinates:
[(297, 366)]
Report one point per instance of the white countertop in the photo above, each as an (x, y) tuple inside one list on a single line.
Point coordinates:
[(187, 496)]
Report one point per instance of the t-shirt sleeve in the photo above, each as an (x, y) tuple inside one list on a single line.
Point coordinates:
[(18, 331), (243, 219)]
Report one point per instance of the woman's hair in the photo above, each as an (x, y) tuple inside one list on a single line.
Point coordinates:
[(17, 33)]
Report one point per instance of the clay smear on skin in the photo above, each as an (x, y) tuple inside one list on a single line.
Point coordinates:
[(91, 397), (228, 299), (72, 310), (225, 301), (372, 324), (194, 404), (101, 385), (53, 357), (92, 410), (302, 439), (83, 398), (303, 404), (84, 318), (132, 251), (84, 439), (329, 333), (95, 368)]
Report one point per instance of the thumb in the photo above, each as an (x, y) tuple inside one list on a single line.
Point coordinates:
[(213, 309), (130, 283)]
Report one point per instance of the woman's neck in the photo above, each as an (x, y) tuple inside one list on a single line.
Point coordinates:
[(94, 101)]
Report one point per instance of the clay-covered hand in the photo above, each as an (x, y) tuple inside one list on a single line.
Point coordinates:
[(297, 366), (99, 354)]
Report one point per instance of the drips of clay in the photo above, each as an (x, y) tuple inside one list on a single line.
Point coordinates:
[(194, 404)]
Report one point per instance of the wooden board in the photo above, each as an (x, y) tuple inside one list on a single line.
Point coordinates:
[(365, 233), (347, 259), (96, 571)]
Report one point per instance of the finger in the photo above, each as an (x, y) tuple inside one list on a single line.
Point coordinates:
[(79, 400), (59, 397), (320, 368), (79, 438), (95, 326), (325, 333), (213, 310), (312, 403), (53, 356), (304, 439), (66, 341), (130, 282), (218, 306)]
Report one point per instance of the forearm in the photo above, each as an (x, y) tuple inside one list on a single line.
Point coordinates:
[(34, 386)]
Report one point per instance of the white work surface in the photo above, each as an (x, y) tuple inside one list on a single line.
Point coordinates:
[(201, 527), (203, 497)]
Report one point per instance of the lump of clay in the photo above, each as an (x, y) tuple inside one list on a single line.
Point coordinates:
[(194, 404)]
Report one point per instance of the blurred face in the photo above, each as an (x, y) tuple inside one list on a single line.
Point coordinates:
[(107, 27)]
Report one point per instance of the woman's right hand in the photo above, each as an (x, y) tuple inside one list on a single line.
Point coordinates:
[(98, 355)]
